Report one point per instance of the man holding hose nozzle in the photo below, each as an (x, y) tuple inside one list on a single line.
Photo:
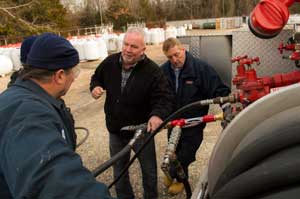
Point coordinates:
[(192, 80), (136, 92)]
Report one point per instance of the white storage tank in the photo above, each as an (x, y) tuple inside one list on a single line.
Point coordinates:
[(161, 35), (120, 41), (6, 52), (155, 36), (170, 32), (111, 41), (181, 31), (147, 36), (6, 65), (15, 57), (91, 50), (79, 46), (102, 48)]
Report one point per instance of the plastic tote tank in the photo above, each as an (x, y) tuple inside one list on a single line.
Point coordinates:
[(6, 65)]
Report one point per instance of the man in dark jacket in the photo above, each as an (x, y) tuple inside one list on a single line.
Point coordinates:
[(191, 80), (136, 92), (24, 50), (36, 142)]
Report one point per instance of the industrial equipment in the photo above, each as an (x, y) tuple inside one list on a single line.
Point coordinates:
[(255, 156)]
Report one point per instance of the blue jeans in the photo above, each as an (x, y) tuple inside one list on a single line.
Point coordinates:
[(147, 159)]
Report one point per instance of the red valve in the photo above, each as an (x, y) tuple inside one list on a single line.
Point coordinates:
[(295, 56), (238, 58), (250, 61), (269, 17), (290, 47)]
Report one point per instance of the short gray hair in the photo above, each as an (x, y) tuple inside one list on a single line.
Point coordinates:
[(136, 30)]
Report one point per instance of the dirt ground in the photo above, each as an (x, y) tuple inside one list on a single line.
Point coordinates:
[(89, 113)]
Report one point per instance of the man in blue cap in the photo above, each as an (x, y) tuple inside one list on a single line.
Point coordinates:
[(36, 143), (25, 48)]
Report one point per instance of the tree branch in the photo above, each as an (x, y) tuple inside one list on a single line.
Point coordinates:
[(20, 6), (32, 27)]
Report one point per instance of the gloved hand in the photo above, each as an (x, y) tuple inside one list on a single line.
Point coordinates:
[(228, 114)]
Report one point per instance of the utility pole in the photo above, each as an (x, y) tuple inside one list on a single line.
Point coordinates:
[(223, 8), (100, 11)]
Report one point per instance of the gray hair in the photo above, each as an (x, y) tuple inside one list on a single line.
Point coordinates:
[(43, 75), (138, 31)]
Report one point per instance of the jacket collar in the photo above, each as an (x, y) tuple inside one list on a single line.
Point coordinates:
[(39, 91), (187, 69), (141, 60)]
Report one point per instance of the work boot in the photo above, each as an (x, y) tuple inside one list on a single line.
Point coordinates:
[(167, 181), (176, 188)]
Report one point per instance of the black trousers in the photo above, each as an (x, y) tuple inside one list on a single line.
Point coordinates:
[(147, 159)]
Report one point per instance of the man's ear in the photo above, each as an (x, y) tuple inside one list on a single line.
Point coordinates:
[(59, 76)]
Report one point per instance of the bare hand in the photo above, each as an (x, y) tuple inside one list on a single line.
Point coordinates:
[(153, 123), (97, 92)]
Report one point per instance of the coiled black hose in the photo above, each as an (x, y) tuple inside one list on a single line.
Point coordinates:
[(87, 133)]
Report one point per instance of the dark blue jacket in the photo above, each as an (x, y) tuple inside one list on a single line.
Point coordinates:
[(36, 148), (197, 81)]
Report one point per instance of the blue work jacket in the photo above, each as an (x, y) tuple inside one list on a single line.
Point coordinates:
[(37, 148), (197, 81)]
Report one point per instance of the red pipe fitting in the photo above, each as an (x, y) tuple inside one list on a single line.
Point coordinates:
[(179, 122), (289, 47)]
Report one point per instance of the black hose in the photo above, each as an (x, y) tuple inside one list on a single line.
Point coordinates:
[(87, 133), (111, 161), (272, 174), (187, 188), (169, 118), (267, 138)]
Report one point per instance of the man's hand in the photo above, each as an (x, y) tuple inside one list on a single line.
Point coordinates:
[(97, 92), (153, 123)]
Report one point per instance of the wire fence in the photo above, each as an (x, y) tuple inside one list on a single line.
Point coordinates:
[(93, 30)]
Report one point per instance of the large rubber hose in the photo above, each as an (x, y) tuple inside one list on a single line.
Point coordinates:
[(244, 123), (111, 161), (276, 171), (169, 118), (187, 188), (288, 192), (275, 134)]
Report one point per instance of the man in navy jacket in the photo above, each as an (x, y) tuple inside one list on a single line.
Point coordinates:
[(36, 137), (191, 80)]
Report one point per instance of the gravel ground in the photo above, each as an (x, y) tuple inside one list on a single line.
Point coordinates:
[(89, 113)]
